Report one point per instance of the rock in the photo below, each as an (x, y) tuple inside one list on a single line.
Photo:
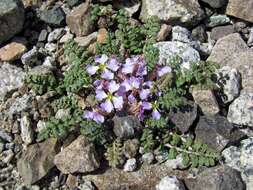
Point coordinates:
[(50, 48), (241, 110), (240, 9), (21, 104), (86, 40), (216, 3), (170, 183), (12, 17), (130, 148), (80, 156), (49, 62), (68, 36), (199, 33), (87, 185), (187, 12), (217, 178), (164, 32), (30, 58), (26, 130), (184, 116), (43, 36), (176, 163), (168, 50), (130, 7), (6, 136), (79, 20), (6, 156), (241, 159), (11, 78), (72, 181), (37, 161), (41, 125), (62, 113), (130, 165), (12, 51), (56, 34), (54, 16), (206, 101), (148, 158), (125, 127), (73, 3), (221, 31), (102, 35), (230, 83), (232, 51), (217, 20), (217, 132), (181, 34)]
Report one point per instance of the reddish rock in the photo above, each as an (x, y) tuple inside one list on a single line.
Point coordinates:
[(102, 34), (12, 51)]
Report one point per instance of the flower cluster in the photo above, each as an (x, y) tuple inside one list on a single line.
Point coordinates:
[(124, 86)]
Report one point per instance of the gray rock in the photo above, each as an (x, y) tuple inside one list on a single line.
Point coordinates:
[(130, 165), (241, 110), (184, 116), (148, 158), (181, 34), (130, 148), (54, 16), (217, 178), (62, 113), (221, 31), (68, 36), (11, 78), (230, 83), (49, 62), (186, 12), (73, 3), (217, 132), (51, 48), (43, 35), (21, 104), (168, 50), (56, 34), (125, 127), (216, 3), (164, 32), (170, 183), (217, 20), (206, 101), (250, 40), (176, 163), (30, 58), (6, 136), (86, 40), (199, 33), (37, 161), (6, 156), (131, 7), (12, 17), (26, 130), (41, 125), (80, 156)]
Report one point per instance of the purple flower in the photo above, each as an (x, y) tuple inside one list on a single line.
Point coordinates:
[(93, 115), (154, 107), (163, 70), (144, 94), (111, 99), (131, 83), (135, 64)]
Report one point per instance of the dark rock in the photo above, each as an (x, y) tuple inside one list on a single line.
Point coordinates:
[(80, 156), (54, 16), (4, 135), (37, 161), (216, 3), (184, 116), (221, 31), (131, 147), (12, 17), (218, 178), (217, 132), (125, 127), (199, 33)]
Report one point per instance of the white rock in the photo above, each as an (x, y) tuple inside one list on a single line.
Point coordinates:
[(181, 34), (176, 163), (130, 165), (56, 34), (148, 158), (49, 62), (41, 125), (51, 47), (26, 130), (66, 37), (170, 183)]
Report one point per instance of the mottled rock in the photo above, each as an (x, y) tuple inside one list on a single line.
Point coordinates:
[(217, 132), (130, 165), (26, 130), (12, 51), (6, 156), (5, 136), (240, 9), (216, 3), (56, 34), (217, 178), (221, 31), (186, 12), (199, 33), (176, 163), (130, 7), (79, 20), (217, 20), (181, 34), (30, 58), (148, 158), (184, 116), (206, 101), (43, 35), (130, 148), (54, 16), (12, 17), (80, 156), (170, 183), (73, 3), (126, 126), (241, 110), (85, 41), (164, 32), (37, 161)]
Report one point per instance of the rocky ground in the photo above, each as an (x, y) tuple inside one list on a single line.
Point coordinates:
[(32, 38)]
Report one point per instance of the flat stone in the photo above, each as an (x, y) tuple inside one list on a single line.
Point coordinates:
[(12, 51), (37, 161), (85, 41), (12, 17), (221, 31), (217, 20), (241, 9), (187, 12), (79, 20), (80, 156)]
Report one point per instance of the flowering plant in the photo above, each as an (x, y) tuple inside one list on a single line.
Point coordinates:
[(125, 85)]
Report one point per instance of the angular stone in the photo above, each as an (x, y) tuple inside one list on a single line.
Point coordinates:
[(130, 165), (12, 17), (221, 31), (206, 101), (26, 130), (79, 20), (80, 156), (30, 58), (170, 183), (56, 34), (217, 20), (186, 12), (37, 161), (241, 110), (164, 32), (217, 132), (216, 3), (241, 9), (85, 41), (54, 16), (199, 33), (12, 51)]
